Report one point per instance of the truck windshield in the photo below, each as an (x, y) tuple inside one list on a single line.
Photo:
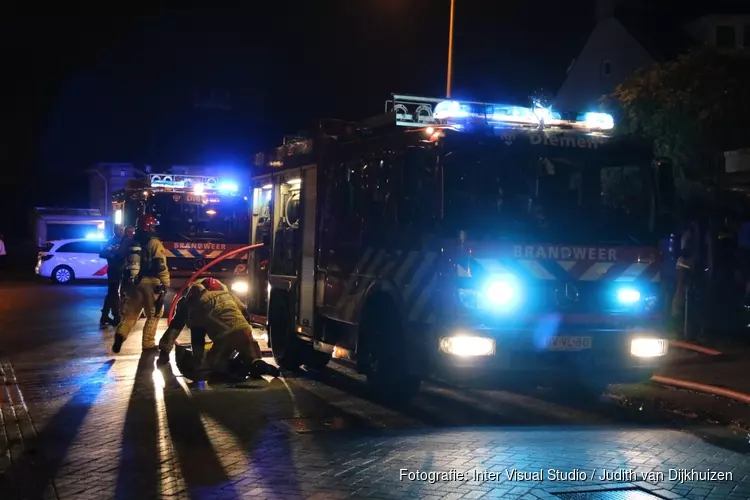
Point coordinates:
[(493, 194), (220, 219)]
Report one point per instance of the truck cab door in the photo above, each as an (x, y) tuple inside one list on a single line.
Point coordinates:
[(260, 259)]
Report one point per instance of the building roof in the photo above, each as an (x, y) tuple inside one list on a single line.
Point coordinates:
[(82, 212)]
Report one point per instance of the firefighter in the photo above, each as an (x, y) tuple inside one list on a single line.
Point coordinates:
[(114, 275), (685, 273), (209, 308), (145, 283)]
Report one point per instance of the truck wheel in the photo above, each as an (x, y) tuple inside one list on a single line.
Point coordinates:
[(315, 359), (286, 347), (385, 360)]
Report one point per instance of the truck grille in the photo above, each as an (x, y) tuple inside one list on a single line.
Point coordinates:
[(185, 265), (574, 298)]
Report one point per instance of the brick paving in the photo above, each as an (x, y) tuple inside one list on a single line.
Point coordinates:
[(78, 423)]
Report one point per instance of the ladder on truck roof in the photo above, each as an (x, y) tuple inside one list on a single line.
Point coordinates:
[(417, 111)]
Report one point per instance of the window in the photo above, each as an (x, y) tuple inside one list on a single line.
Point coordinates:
[(725, 37), (69, 231), (417, 201), (746, 36), (81, 247), (606, 68), (225, 220)]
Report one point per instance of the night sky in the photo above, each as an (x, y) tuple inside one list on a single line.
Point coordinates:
[(123, 88)]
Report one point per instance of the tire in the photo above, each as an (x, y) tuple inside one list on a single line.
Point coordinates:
[(62, 275), (387, 377), (289, 351), (316, 360)]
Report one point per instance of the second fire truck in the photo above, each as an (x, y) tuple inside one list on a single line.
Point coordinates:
[(200, 218), (466, 241)]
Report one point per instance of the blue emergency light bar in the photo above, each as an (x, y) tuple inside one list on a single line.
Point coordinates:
[(414, 111), (198, 184)]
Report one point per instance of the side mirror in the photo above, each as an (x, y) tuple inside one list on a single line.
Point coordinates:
[(665, 184)]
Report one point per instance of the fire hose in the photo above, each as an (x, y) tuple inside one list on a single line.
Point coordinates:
[(202, 270)]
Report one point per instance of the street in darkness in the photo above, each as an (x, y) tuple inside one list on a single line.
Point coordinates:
[(79, 422)]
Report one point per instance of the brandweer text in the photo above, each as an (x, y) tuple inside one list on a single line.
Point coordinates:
[(565, 253), (200, 246)]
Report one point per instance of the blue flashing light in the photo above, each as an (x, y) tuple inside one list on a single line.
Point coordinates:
[(599, 121), (628, 295), (500, 294), (504, 115), (228, 187), (95, 236)]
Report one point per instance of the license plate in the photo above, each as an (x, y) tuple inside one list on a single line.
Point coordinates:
[(568, 343)]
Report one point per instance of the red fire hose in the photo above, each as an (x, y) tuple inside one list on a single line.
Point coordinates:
[(203, 269)]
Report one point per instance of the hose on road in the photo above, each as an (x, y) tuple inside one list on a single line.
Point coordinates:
[(694, 347), (706, 388), (202, 270), (696, 386)]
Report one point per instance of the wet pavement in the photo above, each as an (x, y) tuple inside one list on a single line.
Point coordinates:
[(78, 422)]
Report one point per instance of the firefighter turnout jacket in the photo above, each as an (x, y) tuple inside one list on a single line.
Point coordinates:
[(222, 317), (145, 279), (218, 313)]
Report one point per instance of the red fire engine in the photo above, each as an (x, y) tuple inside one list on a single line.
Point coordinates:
[(466, 241), (200, 218)]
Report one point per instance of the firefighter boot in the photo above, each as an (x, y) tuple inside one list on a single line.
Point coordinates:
[(184, 360), (260, 367), (163, 358), (105, 319), (117, 345)]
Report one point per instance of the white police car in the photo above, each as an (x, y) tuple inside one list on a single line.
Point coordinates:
[(66, 260)]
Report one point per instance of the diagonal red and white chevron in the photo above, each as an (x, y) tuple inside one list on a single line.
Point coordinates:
[(413, 272), (564, 270)]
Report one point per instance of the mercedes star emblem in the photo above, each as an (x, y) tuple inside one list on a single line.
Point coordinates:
[(566, 296), (198, 263)]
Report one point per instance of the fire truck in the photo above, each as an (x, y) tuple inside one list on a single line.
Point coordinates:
[(472, 242), (200, 218)]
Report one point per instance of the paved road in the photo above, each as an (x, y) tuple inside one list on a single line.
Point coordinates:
[(80, 423)]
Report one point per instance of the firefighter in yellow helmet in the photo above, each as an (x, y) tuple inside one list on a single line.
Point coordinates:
[(145, 283), (209, 308)]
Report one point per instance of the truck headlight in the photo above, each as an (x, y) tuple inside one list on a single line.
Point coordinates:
[(464, 345), (240, 286), (648, 348)]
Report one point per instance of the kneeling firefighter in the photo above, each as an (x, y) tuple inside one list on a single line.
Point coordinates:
[(145, 283), (209, 308)]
